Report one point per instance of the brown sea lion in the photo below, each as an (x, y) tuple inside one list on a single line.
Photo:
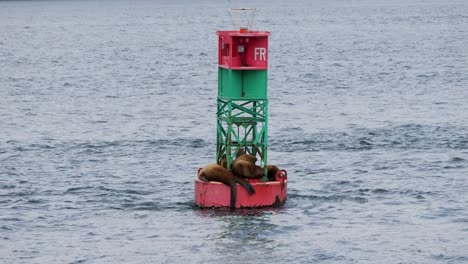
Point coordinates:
[(215, 172), (247, 157), (244, 166), (223, 161), (272, 170), (240, 152)]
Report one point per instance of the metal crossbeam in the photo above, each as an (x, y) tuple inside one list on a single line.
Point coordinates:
[(242, 124)]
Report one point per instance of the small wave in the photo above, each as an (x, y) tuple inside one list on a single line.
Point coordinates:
[(417, 194), (131, 191), (36, 201), (343, 182), (329, 198), (100, 147), (450, 259), (427, 75), (100, 189), (12, 219), (310, 75), (457, 159), (342, 87), (367, 192), (78, 261), (380, 191), (408, 136), (156, 206), (77, 189), (453, 167), (365, 142), (191, 143), (460, 220), (5, 228), (151, 206), (358, 199)]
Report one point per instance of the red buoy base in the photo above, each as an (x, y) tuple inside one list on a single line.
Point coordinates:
[(216, 194)]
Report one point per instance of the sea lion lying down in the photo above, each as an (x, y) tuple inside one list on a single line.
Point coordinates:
[(215, 172)]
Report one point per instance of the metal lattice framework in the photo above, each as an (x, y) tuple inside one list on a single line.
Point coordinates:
[(242, 17), (242, 124)]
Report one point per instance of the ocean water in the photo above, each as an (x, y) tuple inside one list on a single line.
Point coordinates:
[(107, 109)]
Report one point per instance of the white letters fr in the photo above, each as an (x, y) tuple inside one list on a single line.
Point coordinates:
[(261, 53)]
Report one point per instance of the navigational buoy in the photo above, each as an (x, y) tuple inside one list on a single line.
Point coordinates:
[(242, 119)]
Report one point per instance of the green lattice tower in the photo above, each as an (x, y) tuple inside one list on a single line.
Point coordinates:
[(242, 104)]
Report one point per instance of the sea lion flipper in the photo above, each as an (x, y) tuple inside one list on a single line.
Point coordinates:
[(203, 178), (250, 189), (233, 195)]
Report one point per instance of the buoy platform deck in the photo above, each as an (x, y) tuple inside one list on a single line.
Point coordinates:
[(267, 194)]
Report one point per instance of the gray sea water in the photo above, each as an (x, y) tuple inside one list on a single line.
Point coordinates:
[(107, 109)]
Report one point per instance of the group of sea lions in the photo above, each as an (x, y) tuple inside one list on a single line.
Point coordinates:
[(242, 167)]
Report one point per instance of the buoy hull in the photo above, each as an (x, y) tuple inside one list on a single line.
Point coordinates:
[(216, 194)]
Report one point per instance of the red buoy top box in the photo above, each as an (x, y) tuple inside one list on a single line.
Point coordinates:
[(243, 50)]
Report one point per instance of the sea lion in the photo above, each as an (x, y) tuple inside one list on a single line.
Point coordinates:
[(215, 172), (240, 152), (247, 157), (272, 170), (244, 166), (223, 161)]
